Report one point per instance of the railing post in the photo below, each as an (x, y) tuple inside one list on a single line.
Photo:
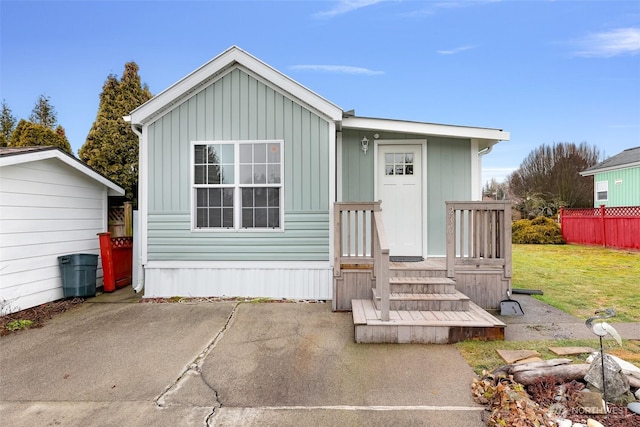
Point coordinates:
[(506, 243), (451, 239), (337, 243)]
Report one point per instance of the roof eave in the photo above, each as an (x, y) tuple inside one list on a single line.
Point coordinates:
[(425, 128), (55, 153), (590, 172)]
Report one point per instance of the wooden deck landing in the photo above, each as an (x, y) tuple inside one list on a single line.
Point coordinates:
[(438, 327)]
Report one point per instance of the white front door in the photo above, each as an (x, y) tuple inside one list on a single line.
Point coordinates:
[(400, 189)]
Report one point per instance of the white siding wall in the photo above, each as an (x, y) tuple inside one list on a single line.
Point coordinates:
[(291, 280), (47, 209)]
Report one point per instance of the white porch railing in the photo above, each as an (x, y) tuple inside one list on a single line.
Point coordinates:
[(479, 234), (360, 239)]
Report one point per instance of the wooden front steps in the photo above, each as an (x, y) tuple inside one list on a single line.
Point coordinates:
[(425, 307), (425, 327)]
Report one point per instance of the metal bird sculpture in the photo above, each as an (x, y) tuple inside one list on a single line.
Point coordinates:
[(602, 328)]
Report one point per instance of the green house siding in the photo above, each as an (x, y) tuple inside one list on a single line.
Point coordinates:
[(448, 176), (624, 187), (239, 107), (448, 179)]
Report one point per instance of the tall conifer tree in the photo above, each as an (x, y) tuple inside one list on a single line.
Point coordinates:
[(7, 124), (111, 147)]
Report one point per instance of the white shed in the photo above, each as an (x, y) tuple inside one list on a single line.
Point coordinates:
[(51, 204)]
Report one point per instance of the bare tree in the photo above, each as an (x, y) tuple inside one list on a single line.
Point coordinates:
[(551, 173)]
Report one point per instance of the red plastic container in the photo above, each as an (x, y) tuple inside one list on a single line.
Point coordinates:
[(106, 253)]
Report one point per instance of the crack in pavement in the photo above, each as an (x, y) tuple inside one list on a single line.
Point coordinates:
[(195, 368)]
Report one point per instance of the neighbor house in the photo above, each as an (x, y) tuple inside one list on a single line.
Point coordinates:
[(253, 185), (616, 181), (51, 204)]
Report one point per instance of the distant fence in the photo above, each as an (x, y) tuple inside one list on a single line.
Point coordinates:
[(617, 227)]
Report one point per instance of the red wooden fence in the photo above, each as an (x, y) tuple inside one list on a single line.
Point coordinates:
[(617, 227)]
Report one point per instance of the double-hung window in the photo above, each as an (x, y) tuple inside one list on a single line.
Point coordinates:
[(237, 185), (602, 191)]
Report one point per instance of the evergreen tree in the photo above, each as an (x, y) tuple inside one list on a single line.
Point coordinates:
[(111, 147), (28, 134), (7, 124), (43, 113)]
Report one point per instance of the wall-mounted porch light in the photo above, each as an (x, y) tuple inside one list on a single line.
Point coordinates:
[(364, 144)]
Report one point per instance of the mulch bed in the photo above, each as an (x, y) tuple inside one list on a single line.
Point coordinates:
[(39, 315)]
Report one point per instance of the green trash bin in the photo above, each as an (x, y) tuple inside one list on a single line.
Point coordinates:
[(78, 272)]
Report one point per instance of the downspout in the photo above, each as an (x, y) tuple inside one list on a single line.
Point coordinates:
[(481, 153), (139, 286)]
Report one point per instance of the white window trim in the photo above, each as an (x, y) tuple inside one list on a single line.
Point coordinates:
[(604, 184), (237, 210)]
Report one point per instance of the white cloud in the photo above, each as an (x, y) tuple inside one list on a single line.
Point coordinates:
[(341, 69), (346, 6), (616, 42), (454, 51)]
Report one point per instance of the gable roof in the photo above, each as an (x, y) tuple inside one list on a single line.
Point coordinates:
[(232, 57), (19, 155), (628, 158)]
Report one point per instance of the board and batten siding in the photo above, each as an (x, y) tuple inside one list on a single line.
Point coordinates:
[(624, 187), (47, 209), (448, 176), (238, 107), (448, 179)]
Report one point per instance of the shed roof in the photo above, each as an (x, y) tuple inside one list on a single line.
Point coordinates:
[(423, 128), (626, 159), (20, 155)]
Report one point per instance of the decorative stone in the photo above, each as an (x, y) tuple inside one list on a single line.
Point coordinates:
[(615, 381), (511, 356), (529, 359), (567, 351), (592, 403), (593, 423), (634, 407), (637, 394)]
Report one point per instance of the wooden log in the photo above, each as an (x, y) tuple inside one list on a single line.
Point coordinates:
[(562, 372), (537, 365)]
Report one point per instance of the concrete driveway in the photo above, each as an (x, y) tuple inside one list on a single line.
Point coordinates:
[(114, 361)]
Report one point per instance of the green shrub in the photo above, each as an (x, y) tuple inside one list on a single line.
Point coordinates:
[(540, 230)]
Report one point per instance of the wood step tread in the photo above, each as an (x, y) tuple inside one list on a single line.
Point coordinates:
[(365, 313), (393, 296), (422, 280)]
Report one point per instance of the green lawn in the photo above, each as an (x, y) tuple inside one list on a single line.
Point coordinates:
[(581, 279), (577, 280)]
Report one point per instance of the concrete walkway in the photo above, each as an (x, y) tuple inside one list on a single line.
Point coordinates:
[(114, 361), (543, 322)]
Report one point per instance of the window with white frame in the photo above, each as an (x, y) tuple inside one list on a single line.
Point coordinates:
[(602, 191), (237, 185)]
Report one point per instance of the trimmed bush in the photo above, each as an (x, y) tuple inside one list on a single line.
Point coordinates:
[(540, 230)]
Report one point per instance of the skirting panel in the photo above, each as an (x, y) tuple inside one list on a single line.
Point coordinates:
[(284, 282)]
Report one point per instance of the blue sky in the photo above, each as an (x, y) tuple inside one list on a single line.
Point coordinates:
[(546, 71)]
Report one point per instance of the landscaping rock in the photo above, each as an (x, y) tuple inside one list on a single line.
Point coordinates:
[(512, 356), (616, 383), (592, 403), (567, 351), (634, 407)]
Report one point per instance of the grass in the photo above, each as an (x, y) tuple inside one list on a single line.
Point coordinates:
[(577, 280), (580, 279)]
